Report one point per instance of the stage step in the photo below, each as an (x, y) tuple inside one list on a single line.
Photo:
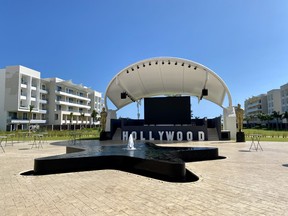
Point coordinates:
[(212, 134), (117, 134)]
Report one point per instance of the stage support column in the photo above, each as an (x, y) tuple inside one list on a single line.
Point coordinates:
[(229, 121), (111, 114)]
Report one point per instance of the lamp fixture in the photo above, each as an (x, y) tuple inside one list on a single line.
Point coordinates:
[(124, 95)]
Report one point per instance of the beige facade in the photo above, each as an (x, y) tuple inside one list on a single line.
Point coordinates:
[(284, 97), (274, 101), (256, 105), (54, 101)]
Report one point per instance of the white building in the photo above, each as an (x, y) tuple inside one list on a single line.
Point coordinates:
[(256, 105), (54, 101), (284, 98), (274, 101)]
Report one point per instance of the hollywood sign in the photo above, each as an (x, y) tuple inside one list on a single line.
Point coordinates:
[(164, 135)]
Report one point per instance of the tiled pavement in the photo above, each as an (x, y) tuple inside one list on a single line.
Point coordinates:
[(245, 183)]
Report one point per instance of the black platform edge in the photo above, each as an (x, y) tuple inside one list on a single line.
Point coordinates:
[(165, 170)]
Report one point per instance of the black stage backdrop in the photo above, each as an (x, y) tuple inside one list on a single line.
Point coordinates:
[(167, 110)]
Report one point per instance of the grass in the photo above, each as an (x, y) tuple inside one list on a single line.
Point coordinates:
[(91, 134), (267, 135)]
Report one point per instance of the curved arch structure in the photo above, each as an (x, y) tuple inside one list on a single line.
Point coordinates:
[(166, 76)]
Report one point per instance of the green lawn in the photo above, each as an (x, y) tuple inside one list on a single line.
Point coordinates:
[(53, 135), (267, 135)]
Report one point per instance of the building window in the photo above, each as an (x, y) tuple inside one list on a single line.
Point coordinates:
[(59, 88), (56, 116), (25, 116)]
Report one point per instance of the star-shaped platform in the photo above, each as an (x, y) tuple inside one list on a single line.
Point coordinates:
[(164, 163)]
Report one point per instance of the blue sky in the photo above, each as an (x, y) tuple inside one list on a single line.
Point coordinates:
[(244, 41)]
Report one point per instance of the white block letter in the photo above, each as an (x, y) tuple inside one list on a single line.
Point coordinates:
[(189, 136), (141, 136), (134, 134), (170, 135), (160, 135), (201, 136), (150, 135), (179, 136), (125, 135)]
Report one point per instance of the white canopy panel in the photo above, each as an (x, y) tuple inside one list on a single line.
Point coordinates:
[(166, 76)]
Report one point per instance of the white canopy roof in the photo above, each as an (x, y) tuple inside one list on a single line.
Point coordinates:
[(166, 76)]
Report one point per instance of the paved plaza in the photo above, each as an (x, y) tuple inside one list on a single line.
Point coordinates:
[(245, 183)]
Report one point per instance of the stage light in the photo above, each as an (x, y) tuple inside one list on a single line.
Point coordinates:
[(168, 62), (143, 65), (149, 63), (189, 66), (195, 67), (132, 69), (204, 92), (175, 63), (182, 64), (137, 67), (123, 95), (156, 62), (127, 71), (162, 62)]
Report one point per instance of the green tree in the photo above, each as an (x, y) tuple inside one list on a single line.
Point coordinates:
[(82, 116), (94, 115), (277, 116), (262, 117), (285, 116), (71, 119), (31, 107)]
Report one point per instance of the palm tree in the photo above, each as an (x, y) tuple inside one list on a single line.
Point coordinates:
[(31, 107), (285, 116), (71, 119), (262, 117), (269, 118), (94, 116), (82, 115), (277, 116)]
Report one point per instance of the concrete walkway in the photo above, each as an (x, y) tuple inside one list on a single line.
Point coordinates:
[(245, 183)]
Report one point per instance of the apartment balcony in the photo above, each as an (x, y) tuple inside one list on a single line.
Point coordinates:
[(43, 101), (72, 95), (23, 85), (26, 121), (254, 110), (23, 97), (34, 88), (43, 91), (72, 104), (42, 111), (38, 121)]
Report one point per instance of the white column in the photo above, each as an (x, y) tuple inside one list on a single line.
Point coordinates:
[(111, 114), (229, 121)]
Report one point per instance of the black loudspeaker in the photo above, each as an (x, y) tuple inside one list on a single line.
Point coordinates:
[(123, 95), (204, 92)]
